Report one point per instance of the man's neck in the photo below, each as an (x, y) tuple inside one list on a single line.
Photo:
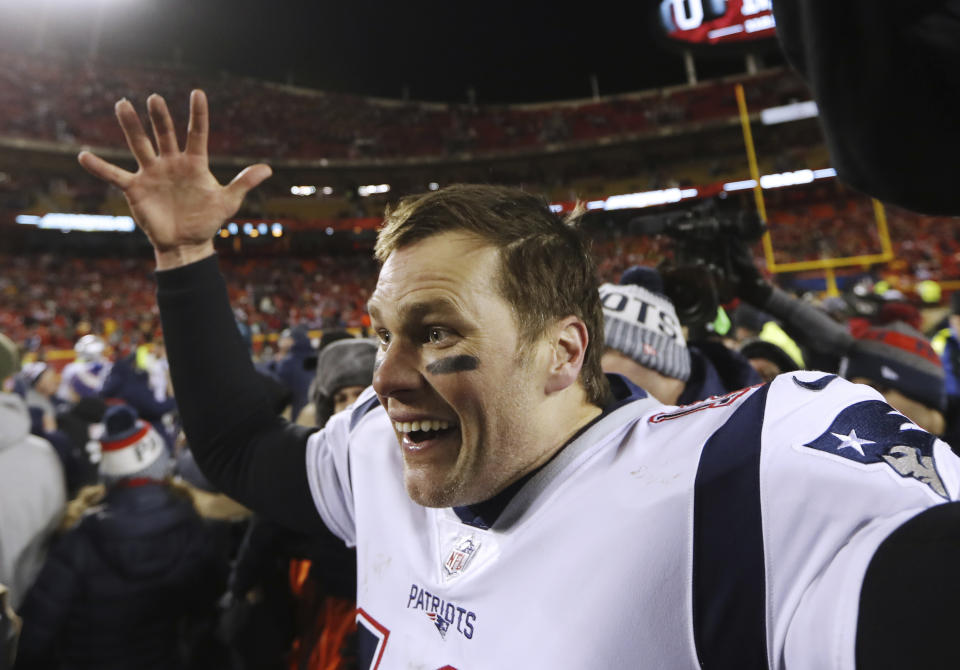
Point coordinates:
[(483, 514)]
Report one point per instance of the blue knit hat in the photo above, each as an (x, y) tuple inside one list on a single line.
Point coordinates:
[(901, 358)]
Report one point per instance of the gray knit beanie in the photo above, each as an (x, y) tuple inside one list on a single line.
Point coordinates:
[(342, 363), (643, 325)]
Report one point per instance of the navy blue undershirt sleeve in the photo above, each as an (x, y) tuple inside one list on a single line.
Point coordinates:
[(247, 451)]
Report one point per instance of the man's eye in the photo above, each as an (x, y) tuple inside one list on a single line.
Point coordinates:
[(437, 335), (384, 337)]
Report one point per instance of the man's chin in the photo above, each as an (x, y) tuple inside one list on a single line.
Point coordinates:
[(428, 493)]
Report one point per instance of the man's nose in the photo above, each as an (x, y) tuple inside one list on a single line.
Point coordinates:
[(396, 370)]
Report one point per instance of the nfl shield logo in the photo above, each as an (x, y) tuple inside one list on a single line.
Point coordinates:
[(460, 556)]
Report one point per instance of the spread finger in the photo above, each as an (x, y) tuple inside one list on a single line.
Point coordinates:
[(199, 126), (133, 131), (104, 170), (162, 123)]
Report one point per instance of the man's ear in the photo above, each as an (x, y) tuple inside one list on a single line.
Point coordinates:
[(568, 349)]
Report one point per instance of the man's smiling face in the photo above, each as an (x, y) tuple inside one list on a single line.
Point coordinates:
[(462, 396)]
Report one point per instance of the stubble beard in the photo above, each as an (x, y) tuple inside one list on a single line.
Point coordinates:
[(428, 494)]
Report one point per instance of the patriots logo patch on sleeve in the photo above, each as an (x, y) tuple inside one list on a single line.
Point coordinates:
[(873, 432)]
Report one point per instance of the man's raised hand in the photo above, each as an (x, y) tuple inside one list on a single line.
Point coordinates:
[(173, 196)]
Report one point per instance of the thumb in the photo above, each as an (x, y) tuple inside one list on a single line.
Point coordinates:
[(249, 178)]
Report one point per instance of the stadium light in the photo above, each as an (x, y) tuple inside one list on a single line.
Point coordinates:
[(644, 199), (84, 222), (786, 179), (791, 112), (739, 185), (370, 189), (303, 190)]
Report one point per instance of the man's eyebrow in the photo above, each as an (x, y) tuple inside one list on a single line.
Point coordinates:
[(418, 309)]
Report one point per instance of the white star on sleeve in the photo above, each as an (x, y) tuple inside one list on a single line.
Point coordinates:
[(852, 441)]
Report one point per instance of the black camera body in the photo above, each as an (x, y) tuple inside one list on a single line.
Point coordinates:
[(703, 273)]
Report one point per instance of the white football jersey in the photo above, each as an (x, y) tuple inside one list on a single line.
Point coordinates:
[(734, 532), (82, 379)]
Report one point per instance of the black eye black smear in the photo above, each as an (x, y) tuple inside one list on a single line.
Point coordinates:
[(461, 363)]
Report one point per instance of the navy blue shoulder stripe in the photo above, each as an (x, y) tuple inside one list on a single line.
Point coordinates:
[(816, 384), (363, 409), (729, 587)]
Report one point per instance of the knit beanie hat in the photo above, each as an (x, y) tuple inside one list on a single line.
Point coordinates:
[(901, 358), (641, 323), (757, 348), (894, 311), (31, 373), (131, 448), (347, 362)]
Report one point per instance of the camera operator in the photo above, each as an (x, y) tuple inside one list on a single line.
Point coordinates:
[(812, 328)]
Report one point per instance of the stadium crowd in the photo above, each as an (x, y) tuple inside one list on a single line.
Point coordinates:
[(60, 100), (48, 301)]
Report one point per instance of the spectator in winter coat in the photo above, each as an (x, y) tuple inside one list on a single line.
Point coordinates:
[(645, 343), (64, 424), (38, 384), (129, 382), (32, 493), (296, 368), (119, 583)]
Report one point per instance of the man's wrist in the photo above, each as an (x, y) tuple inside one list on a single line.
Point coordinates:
[(176, 257)]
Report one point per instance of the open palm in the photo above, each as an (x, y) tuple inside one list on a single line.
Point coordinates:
[(173, 196)]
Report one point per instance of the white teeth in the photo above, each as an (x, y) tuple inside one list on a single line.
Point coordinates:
[(411, 426)]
